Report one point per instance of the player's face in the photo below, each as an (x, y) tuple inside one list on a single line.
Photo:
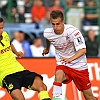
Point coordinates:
[(58, 25), (1, 28)]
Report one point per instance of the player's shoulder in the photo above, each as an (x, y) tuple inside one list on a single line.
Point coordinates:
[(71, 29), (68, 26), (48, 30), (4, 33)]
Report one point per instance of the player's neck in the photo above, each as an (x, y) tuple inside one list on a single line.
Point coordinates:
[(62, 30), (1, 37)]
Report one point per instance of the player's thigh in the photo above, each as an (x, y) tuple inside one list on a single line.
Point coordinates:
[(17, 95), (11, 83), (81, 79), (31, 80), (38, 84)]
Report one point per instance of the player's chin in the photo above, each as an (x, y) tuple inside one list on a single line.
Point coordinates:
[(57, 32)]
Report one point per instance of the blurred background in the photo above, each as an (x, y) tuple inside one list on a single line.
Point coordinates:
[(25, 21)]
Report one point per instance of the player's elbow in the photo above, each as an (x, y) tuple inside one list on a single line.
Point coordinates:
[(84, 50)]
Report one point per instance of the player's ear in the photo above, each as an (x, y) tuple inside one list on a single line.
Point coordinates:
[(62, 21)]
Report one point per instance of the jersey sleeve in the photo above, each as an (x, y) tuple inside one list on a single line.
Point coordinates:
[(7, 37), (77, 38), (47, 32)]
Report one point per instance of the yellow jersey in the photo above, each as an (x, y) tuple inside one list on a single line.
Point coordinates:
[(8, 62)]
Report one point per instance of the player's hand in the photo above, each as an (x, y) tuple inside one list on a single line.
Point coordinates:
[(20, 54), (45, 51), (65, 60)]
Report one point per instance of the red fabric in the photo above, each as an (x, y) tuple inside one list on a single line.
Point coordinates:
[(57, 83), (80, 77), (96, 98), (38, 12)]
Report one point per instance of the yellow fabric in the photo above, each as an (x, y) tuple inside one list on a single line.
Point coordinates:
[(43, 95), (8, 62)]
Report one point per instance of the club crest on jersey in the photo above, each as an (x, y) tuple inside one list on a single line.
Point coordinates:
[(79, 40), (67, 38)]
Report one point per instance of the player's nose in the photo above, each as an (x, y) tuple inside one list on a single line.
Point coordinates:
[(55, 26)]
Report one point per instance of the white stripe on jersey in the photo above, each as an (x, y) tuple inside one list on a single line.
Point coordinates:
[(67, 44)]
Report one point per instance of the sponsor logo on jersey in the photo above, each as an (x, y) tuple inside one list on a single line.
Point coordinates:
[(5, 50), (76, 34), (79, 40)]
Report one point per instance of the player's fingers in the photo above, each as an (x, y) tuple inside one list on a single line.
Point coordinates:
[(63, 62), (21, 55), (62, 58), (43, 54)]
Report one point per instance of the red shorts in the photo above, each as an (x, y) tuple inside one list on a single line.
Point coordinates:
[(80, 77)]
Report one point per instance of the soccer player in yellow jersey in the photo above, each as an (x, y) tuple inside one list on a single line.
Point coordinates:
[(13, 76)]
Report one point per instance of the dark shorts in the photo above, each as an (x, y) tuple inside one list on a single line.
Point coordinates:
[(19, 79)]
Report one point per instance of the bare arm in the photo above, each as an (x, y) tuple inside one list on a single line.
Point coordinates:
[(19, 54), (47, 44), (78, 54), (13, 49), (46, 50), (91, 16)]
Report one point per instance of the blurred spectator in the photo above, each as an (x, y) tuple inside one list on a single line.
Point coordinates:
[(4, 11), (46, 20), (75, 13), (80, 10), (20, 44), (21, 17), (17, 42), (56, 6), (36, 47), (68, 3), (48, 4), (92, 45), (38, 12), (28, 5), (98, 39), (26, 8), (91, 13)]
